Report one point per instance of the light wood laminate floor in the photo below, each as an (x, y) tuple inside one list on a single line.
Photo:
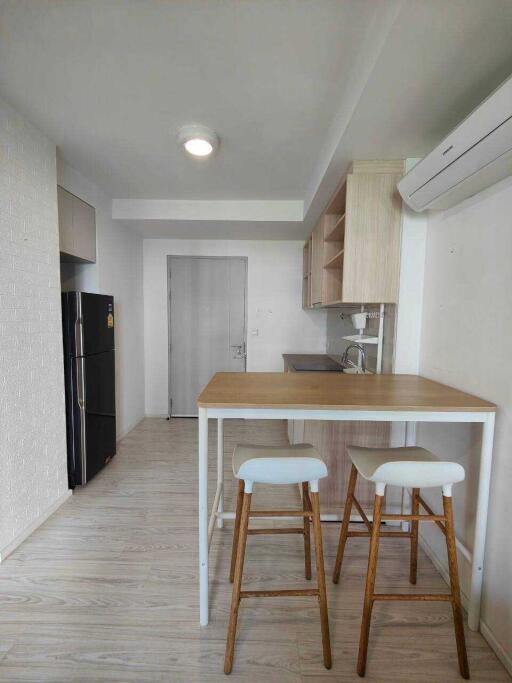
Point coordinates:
[(107, 589)]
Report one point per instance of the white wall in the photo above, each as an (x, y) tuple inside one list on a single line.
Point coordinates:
[(33, 468), (466, 342), (274, 307), (117, 271), (409, 312)]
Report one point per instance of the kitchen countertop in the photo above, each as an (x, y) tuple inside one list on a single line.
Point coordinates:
[(311, 362)]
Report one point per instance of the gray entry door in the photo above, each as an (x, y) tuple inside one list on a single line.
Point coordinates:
[(207, 330)]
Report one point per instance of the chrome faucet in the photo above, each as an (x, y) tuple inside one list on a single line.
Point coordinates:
[(345, 360)]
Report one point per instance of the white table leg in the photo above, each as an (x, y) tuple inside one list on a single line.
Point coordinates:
[(410, 433), (220, 468), (203, 516), (484, 482)]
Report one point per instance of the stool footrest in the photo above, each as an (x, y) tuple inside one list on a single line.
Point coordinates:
[(385, 534), (421, 597), (413, 518), (300, 592), (280, 513), (289, 530)]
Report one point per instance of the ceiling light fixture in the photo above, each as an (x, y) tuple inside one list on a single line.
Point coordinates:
[(199, 141)]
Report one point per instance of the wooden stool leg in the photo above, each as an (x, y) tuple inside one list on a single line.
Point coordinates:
[(320, 574), (237, 584), (236, 531), (307, 534), (344, 525), (458, 619), (370, 586), (415, 508)]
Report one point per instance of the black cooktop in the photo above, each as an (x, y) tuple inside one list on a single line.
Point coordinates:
[(324, 365)]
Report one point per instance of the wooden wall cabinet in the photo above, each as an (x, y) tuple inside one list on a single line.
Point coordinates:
[(356, 242), (77, 228)]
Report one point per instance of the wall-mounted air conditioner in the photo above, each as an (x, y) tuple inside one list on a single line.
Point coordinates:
[(472, 157)]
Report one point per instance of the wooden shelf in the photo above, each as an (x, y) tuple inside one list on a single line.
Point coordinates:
[(338, 201), (337, 233), (336, 261)]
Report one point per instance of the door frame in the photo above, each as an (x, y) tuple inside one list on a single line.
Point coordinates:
[(245, 260)]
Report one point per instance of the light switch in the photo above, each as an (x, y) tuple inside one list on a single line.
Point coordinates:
[(255, 332)]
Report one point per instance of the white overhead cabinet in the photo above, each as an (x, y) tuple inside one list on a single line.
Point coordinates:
[(77, 228)]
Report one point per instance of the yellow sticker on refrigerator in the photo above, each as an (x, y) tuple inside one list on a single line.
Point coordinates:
[(110, 320)]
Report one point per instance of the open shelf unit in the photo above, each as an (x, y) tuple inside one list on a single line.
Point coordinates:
[(336, 261), (334, 247), (337, 233), (375, 337)]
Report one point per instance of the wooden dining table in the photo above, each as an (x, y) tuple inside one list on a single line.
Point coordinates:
[(406, 399)]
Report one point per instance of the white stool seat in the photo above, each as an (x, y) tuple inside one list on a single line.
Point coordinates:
[(278, 464), (411, 467)]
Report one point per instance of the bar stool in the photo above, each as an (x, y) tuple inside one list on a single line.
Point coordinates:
[(414, 468), (297, 464)]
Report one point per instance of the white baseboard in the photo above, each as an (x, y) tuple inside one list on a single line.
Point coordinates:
[(157, 415), (27, 531), (439, 563), (498, 648), (128, 429)]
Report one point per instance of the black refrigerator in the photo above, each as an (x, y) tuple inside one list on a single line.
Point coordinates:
[(89, 367)]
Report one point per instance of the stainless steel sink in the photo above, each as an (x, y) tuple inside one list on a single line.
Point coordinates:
[(340, 368)]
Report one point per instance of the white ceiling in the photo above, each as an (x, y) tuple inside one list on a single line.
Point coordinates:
[(295, 89), (112, 81)]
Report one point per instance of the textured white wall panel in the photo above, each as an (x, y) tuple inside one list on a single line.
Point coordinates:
[(33, 475)]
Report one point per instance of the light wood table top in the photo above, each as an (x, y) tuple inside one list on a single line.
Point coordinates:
[(335, 391)]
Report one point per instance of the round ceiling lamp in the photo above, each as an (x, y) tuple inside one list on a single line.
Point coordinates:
[(199, 141)]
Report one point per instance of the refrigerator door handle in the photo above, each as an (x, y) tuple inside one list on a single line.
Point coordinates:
[(80, 384), (79, 341), (79, 328)]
